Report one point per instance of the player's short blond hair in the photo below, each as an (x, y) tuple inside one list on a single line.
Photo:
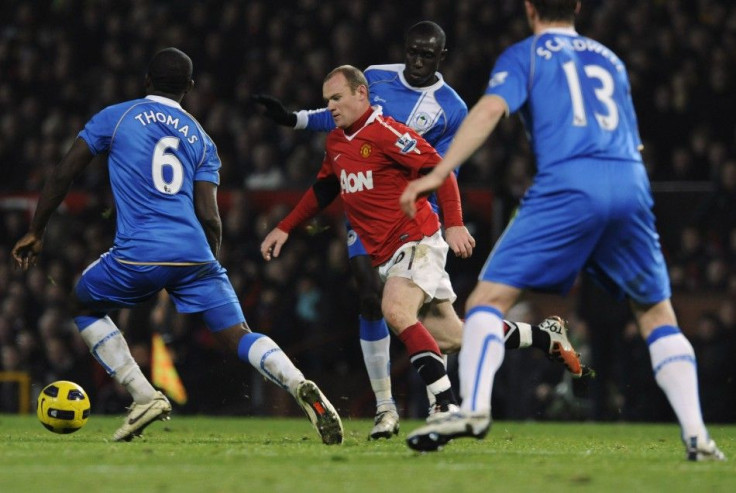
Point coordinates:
[(353, 75)]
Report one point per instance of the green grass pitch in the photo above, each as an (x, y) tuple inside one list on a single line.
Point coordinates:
[(226, 454)]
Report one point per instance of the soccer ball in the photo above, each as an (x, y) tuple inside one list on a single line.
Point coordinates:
[(63, 407)]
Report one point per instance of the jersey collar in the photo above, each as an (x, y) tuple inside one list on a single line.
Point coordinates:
[(368, 117), (163, 100), (440, 82), (570, 31)]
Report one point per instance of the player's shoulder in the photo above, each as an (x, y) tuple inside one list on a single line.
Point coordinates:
[(110, 115), (385, 72), (449, 97), (392, 134), (122, 106), (387, 127), (387, 121), (524, 48)]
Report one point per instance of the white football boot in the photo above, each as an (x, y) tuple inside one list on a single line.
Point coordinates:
[(141, 415), (560, 348), (703, 450), (441, 430), (437, 411), (386, 424)]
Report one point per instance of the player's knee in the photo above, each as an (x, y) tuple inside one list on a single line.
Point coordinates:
[(500, 299), (396, 317), (230, 336)]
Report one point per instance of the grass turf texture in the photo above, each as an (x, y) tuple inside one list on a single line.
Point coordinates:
[(218, 454)]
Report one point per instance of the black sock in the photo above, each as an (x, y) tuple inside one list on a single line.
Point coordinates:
[(431, 369), (540, 339)]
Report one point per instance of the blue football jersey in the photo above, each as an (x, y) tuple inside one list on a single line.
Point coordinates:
[(435, 112), (156, 153), (573, 95)]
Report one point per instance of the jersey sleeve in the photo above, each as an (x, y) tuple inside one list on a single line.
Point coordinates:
[(510, 79), (448, 198), (320, 195), (317, 120), (209, 168), (97, 133)]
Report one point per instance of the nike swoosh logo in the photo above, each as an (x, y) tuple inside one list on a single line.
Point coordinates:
[(132, 421), (335, 158)]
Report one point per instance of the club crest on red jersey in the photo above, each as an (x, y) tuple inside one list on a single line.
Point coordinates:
[(365, 150)]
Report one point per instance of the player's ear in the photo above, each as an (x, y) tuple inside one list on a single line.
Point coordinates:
[(190, 86)]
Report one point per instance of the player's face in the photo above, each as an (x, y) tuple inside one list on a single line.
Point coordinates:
[(423, 56), (345, 105)]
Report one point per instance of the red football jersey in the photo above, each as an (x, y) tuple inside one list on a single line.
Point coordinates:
[(373, 166)]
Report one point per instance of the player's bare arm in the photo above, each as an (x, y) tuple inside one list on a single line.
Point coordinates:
[(475, 129), (272, 243), (205, 206), (27, 249)]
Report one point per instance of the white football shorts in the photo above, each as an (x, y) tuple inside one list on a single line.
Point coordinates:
[(422, 262)]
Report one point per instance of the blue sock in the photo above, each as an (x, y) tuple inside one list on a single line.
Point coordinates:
[(373, 330)]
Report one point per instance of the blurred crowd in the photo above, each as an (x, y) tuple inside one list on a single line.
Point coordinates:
[(63, 60)]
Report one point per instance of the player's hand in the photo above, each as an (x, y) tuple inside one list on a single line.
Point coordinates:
[(460, 240), (272, 243), (275, 110), (26, 251), (408, 199)]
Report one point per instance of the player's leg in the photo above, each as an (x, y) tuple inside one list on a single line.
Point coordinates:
[(401, 301), (629, 259), (549, 336), (375, 340), (208, 290), (535, 251), (263, 354), (481, 355), (675, 370), (411, 281), (106, 285), (442, 322)]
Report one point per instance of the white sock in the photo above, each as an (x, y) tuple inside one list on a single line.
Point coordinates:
[(430, 395), (377, 363), (480, 357), (673, 362), (108, 346), (268, 358), (525, 334)]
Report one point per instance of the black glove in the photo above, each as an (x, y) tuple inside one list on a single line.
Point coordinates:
[(275, 110)]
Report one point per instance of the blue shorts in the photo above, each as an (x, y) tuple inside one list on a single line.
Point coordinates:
[(594, 215), (355, 245), (107, 285)]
